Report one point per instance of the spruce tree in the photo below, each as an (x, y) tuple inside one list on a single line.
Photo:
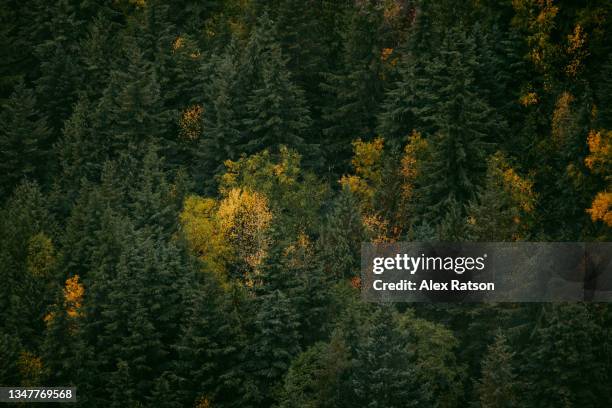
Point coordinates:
[(130, 117), (563, 355), (357, 88), (27, 258), (222, 131), (341, 236), (384, 374), (498, 385), (24, 140), (209, 347), (274, 344), (276, 111), (460, 122)]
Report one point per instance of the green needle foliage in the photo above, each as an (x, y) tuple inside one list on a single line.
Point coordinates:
[(185, 187)]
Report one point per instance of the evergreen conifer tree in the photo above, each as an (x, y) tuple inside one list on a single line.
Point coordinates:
[(498, 386), (24, 140)]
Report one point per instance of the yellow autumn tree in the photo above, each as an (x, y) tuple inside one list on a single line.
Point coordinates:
[(599, 161), (385, 184), (294, 196), (203, 402), (244, 218), (564, 119), (30, 369), (601, 208), (576, 51), (367, 164), (231, 231), (190, 122), (73, 296), (200, 226), (505, 205), (412, 160)]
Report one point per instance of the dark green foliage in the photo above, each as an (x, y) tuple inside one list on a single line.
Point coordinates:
[(274, 344), (565, 351), (9, 354), (460, 124), (114, 113), (252, 104), (341, 237), (498, 386), (384, 374), (24, 140), (357, 89), (26, 291), (209, 348)]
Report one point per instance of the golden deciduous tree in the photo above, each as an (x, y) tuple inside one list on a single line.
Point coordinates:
[(73, 296), (190, 122), (601, 208), (503, 207), (244, 217), (230, 231), (367, 163), (294, 195), (385, 184), (563, 120), (199, 224), (599, 161), (30, 368), (411, 165)]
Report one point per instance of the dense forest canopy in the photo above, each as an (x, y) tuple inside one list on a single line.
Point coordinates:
[(185, 186)]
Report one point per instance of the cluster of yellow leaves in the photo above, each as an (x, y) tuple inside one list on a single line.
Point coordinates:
[(515, 195), (392, 10), (386, 53), (244, 217), (293, 195), (576, 50), (177, 43), (200, 226), (74, 291), (599, 161), (367, 163), (378, 227), (562, 117), (413, 151), (41, 255), (73, 296), (537, 17), (233, 227), (601, 208), (261, 172), (541, 26), (530, 98), (139, 3), (30, 368), (191, 122), (520, 189), (203, 402), (367, 159), (356, 282), (185, 46)]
